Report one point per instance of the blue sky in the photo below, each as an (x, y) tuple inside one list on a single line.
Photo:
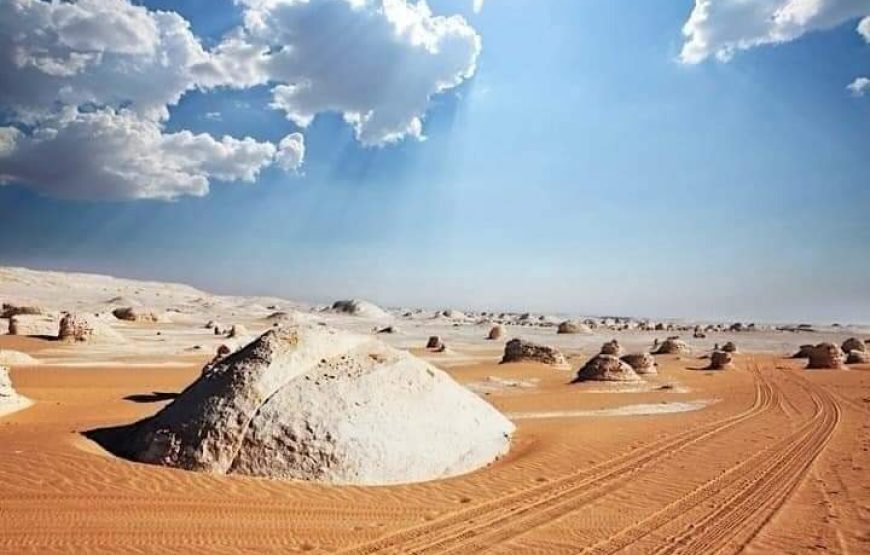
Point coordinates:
[(582, 168)]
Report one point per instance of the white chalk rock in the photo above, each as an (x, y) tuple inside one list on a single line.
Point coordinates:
[(81, 328), (314, 403), (34, 325), (363, 309)]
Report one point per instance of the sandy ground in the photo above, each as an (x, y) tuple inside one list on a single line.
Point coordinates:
[(778, 464), (765, 458)]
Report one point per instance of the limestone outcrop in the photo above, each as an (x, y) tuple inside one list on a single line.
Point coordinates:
[(314, 403)]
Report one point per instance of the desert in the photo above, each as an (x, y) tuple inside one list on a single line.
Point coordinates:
[(363, 277), (759, 455)]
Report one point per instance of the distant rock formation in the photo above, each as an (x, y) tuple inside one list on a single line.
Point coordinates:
[(671, 346), (453, 314), (519, 350), (803, 351), (607, 368), (45, 325), (854, 357), (612, 347), (359, 308), (572, 327), (642, 363), (79, 328), (280, 316), (237, 330), (720, 360), (853, 344), (435, 342), (729, 347), (314, 403), (826, 355), (496, 332), (139, 314)]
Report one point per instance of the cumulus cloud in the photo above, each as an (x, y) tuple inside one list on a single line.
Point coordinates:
[(376, 62), (102, 52), (88, 85), (291, 151), (115, 155), (864, 28), (859, 87), (477, 6), (720, 28)]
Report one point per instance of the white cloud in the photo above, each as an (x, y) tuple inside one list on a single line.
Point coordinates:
[(114, 155), (720, 28), (380, 77), (477, 6), (8, 140), (291, 151), (859, 87), (88, 84), (864, 28), (105, 52)]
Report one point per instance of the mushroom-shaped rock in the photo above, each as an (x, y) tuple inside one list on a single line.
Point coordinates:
[(572, 326), (671, 346), (612, 347), (434, 342), (79, 328), (826, 355), (519, 350), (360, 308), (496, 332), (853, 344), (729, 347), (606, 368), (854, 357), (720, 360), (314, 403), (642, 363)]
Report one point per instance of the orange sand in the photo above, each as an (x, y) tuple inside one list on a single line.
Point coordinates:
[(780, 464)]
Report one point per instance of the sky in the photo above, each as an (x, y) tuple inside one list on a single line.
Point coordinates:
[(705, 159)]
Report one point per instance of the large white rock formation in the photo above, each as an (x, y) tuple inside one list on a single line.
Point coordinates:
[(314, 403)]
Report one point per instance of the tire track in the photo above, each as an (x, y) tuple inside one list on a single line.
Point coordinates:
[(743, 499), (514, 514)]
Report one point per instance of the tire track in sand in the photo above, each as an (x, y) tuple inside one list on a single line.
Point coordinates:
[(743, 499), (535, 506)]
